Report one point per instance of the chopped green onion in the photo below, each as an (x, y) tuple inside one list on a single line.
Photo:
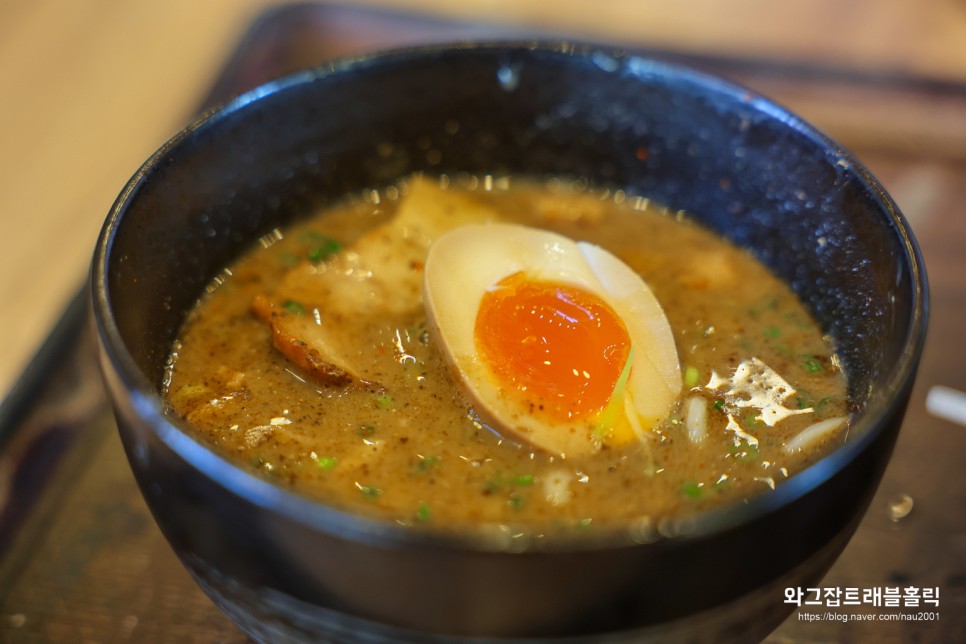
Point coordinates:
[(326, 462), (718, 405), (366, 430), (384, 401), (692, 490), (423, 513), (327, 248), (294, 307), (516, 501), (772, 332), (746, 453), (691, 377), (524, 479), (427, 462), (369, 491), (811, 364)]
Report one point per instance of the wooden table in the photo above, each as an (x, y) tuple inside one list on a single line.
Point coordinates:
[(90, 89)]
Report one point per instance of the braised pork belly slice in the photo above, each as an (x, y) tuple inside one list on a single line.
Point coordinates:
[(305, 343), (378, 277)]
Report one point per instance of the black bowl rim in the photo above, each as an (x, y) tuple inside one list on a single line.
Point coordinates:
[(149, 407)]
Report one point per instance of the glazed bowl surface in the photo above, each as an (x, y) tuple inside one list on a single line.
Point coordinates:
[(285, 567)]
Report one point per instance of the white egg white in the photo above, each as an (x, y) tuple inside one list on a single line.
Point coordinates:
[(466, 262)]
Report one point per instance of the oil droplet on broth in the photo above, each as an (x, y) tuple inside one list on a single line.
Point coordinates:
[(899, 507)]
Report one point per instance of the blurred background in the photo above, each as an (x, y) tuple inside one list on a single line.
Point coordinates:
[(89, 89)]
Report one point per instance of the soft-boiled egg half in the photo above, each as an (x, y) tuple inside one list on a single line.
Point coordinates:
[(558, 343)]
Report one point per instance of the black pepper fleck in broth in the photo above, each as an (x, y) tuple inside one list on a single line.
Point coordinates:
[(312, 363)]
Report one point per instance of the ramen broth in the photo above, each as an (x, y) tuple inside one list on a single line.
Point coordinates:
[(763, 394)]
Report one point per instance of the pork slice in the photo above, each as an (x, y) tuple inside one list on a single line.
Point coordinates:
[(377, 278)]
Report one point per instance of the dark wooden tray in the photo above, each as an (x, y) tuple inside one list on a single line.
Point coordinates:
[(81, 558)]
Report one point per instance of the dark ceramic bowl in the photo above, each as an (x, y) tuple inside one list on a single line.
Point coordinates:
[(282, 566)]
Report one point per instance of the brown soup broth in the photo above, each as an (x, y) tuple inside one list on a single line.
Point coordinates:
[(415, 453)]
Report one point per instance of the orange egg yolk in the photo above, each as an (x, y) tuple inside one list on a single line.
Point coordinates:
[(559, 346)]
